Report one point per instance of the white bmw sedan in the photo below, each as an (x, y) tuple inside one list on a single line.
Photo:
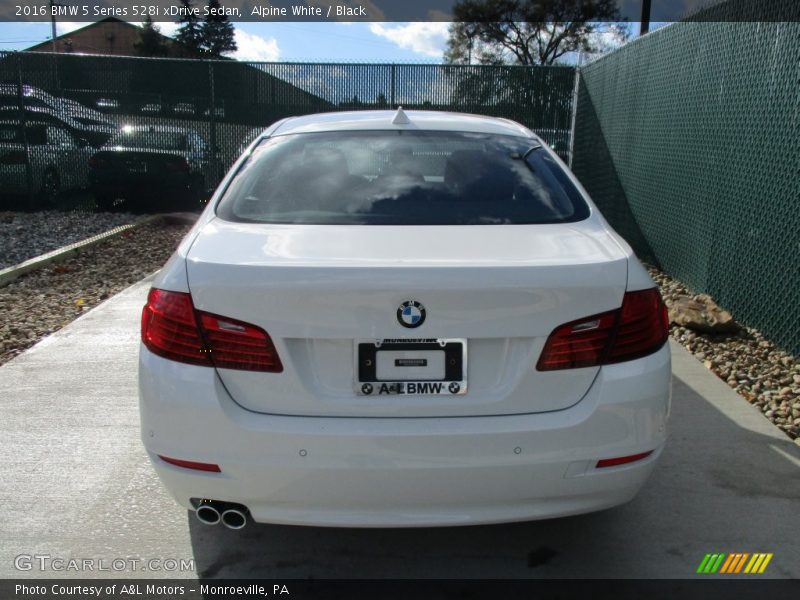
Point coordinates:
[(402, 319)]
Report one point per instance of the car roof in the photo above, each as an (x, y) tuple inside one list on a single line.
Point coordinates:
[(16, 123), (423, 120), (155, 129)]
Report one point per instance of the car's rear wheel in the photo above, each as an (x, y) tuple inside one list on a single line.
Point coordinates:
[(108, 202), (196, 193), (51, 188)]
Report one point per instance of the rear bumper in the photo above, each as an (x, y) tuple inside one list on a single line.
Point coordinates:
[(405, 471)]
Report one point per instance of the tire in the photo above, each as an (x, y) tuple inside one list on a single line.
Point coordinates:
[(196, 194), (105, 202), (51, 189)]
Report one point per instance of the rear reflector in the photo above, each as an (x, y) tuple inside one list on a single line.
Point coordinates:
[(622, 460), (188, 464), (173, 329), (640, 327)]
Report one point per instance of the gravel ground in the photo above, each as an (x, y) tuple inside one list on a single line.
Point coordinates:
[(49, 298), (26, 235), (763, 374)]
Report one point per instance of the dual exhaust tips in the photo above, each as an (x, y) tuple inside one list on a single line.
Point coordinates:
[(211, 512)]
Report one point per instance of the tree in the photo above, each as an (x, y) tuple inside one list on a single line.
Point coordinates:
[(217, 32), (150, 42), (380, 100), (189, 34), (528, 32)]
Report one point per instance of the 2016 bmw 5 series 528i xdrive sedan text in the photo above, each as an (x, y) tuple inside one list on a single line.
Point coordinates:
[(402, 319)]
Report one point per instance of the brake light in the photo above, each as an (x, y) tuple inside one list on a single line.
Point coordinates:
[(238, 345), (638, 328), (173, 329), (643, 326), (96, 162)]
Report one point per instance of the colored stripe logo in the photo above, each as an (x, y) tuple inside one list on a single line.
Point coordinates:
[(737, 562)]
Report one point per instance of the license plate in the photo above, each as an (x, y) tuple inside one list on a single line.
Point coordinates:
[(411, 367), (137, 167)]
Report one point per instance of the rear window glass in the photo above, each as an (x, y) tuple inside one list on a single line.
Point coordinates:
[(145, 138), (11, 133), (401, 178)]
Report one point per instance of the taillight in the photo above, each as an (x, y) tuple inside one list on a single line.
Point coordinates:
[(643, 326), (237, 345), (169, 328), (97, 162), (173, 329), (638, 328)]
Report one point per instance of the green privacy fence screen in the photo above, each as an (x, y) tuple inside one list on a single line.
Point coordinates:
[(689, 141)]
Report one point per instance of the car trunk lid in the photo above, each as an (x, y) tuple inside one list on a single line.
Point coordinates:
[(320, 290)]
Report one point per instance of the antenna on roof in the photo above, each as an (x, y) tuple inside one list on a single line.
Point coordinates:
[(400, 118)]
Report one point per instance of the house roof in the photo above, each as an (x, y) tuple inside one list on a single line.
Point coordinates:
[(65, 37)]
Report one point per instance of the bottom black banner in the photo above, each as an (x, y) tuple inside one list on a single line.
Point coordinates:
[(395, 589)]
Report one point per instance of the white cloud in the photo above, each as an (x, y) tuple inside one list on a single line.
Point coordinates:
[(168, 29), (250, 46), (423, 38), (255, 47)]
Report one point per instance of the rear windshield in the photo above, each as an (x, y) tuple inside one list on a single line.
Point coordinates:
[(401, 178), (143, 138)]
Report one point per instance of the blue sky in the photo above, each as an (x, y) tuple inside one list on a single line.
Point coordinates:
[(347, 42), (405, 42)]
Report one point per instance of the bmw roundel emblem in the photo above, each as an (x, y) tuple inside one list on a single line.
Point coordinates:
[(411, 314)]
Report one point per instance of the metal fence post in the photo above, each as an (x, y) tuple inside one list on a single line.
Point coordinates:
[(574, 109), (213, 126), (392, 93), (23, 123)]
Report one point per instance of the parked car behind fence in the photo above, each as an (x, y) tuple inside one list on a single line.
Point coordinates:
[(88, 123), (58, 159), (150, 168)]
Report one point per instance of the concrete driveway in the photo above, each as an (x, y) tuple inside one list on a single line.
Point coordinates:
[(76, 484)]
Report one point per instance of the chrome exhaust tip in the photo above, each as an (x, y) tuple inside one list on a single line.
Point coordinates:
[(234, 518), (207, 513)]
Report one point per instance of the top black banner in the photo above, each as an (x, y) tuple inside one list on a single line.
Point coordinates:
[(398, 10)]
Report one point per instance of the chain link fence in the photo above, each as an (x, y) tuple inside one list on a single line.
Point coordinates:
[(688, 139), (158, 134)]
